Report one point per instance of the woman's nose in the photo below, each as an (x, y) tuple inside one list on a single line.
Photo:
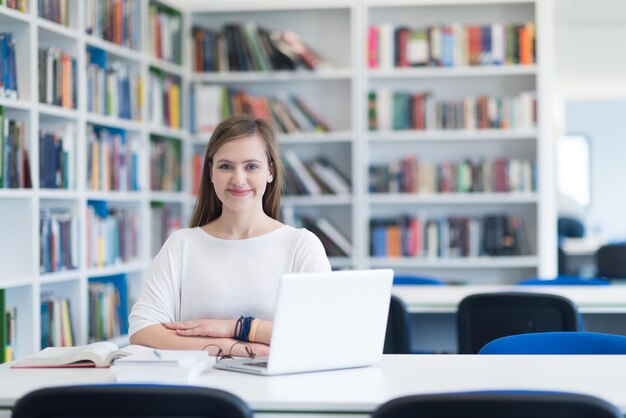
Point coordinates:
[(239, 176)]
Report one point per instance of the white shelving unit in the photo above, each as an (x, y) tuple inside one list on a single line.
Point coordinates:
[(338, 32), (20, 208)]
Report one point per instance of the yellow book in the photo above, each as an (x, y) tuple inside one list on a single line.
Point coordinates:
[(174, 104), (66, 325)]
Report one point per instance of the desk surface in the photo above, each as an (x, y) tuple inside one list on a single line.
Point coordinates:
[(445, 299), (360, 391)]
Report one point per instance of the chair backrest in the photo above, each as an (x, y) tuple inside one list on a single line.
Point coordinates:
[(398, 336), (407, 279), (565, 280), (611, 261), (483, 317), (130, 400), (498, 405), (557, 343)]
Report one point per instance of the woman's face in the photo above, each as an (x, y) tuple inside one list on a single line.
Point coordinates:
[(240, 174)]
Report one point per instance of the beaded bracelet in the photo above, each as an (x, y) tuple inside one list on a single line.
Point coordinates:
[(242, 328)]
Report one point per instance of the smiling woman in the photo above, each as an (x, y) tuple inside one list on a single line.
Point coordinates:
[(216, 281)]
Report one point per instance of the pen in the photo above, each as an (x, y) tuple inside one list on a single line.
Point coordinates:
[(156, 353)]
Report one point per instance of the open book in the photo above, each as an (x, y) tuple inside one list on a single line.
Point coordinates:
[(100, 354)]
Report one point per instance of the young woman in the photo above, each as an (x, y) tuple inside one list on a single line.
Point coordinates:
[(216, 282)]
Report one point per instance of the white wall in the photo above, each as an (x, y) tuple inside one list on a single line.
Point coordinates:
[(604, 122)]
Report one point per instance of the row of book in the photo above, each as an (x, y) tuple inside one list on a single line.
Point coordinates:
[(113, 88), (335, 242), (448, 237), (165, 164), (403, 110), (112, 234), (165, 219), (21, 5), (313, 178), (288, 113), (14, 159), (117, 21), (412, 176), (108, 307), (8, 329), (165, 33), (451, 45), (58, 236), (165, 99), (112, 159), (57, 329), (54, 10), (58, 78), (57, 159), (249, 47), (8, 71)]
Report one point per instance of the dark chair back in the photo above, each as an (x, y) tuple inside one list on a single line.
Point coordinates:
[(498, 405), (557, 343), (483, 317), (398, 336), (105, 401), (611, 261)]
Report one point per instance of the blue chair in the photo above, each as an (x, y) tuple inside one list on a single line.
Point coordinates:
[(484, 317), (565, 280), (523, 404), (402, 280), (104, 401), (558, 343)]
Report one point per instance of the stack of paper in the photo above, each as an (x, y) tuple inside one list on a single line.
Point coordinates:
[(162, 366)]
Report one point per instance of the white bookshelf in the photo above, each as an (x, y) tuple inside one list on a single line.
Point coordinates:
[(19, 208), (338, 32)]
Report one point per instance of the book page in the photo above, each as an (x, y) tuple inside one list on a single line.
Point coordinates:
[(129, 350), (65, 356)]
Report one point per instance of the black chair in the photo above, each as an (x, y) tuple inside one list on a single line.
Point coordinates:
[(611, 261), (498, 405), (398, 336), (104, 401), (484, 317)]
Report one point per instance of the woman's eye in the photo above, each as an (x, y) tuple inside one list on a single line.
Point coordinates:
[(252, 167), (224, 166)]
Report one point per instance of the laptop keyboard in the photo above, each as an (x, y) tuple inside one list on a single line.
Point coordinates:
[(257, 364)]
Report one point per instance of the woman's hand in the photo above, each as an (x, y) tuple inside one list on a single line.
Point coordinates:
[(221, 328)]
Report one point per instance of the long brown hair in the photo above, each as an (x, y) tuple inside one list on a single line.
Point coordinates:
[(208, 206)]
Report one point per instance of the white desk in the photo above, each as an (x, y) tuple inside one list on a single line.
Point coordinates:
[(445, 299), (434, 309), (357, 392)]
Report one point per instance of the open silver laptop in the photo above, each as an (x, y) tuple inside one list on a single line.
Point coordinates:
[(325, 321)]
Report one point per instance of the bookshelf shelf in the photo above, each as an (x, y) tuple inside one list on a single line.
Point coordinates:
[(478, 135), (15, 194), (328, 200), (132, 197), (12, 14), (168, 132), (114, 122), (60, 277), (58, 194), (173, 197), (17, 281), (114, 49), (273, 76), (120, 268), (316, 137), (57, 29), (456, 263), (58, 112), (455, 72), (19, 104), (167, 66), (452, 198)]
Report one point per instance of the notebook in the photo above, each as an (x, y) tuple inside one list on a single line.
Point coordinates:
[(324, 321)]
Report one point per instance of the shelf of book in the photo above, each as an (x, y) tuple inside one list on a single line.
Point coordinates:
[(274, 76), (430, 68)]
